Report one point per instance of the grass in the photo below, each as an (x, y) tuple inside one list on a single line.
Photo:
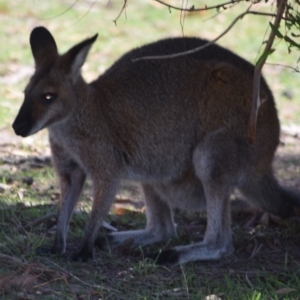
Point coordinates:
[(124, 274), (273, 273)]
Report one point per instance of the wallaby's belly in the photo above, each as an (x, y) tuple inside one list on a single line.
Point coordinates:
[(185, 193), (159, 162)]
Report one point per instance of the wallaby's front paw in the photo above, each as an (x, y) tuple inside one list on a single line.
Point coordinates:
[(83, 256), (166, 257)]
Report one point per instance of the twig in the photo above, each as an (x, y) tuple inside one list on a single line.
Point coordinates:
[(63, 12), (11, 259), (197, 48), (257, 73), (185, 282), (248, 280), (284, 66), (95, 286), (192, 8), (89, 9), (247, 12), (182, 16), (120, 13), (222, 5), (40, 220), (256, 249)]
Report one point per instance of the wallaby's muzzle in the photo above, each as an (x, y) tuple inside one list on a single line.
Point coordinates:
[(23, 122)]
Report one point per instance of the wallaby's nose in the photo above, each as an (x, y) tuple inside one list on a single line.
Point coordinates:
[(24, 121), (21, 127)]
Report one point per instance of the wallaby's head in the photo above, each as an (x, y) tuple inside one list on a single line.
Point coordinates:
[(51, 93)]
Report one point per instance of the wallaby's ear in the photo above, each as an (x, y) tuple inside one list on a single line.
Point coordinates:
[(43, 46), (74, 59)]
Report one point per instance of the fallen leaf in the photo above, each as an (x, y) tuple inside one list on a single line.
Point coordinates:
[(284, 291), (212, 297), (276, 219), (264, 220), (249, 223), (271, 244)]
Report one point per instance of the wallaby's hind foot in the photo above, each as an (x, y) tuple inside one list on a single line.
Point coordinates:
[(198, 251), (137, 237), (160, 225)]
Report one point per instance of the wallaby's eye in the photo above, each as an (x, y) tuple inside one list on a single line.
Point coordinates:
[(48, 97)]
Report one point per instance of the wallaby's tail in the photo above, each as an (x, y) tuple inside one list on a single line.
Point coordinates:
[(266, 193)]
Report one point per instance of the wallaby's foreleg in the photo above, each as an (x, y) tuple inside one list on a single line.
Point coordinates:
[(160, 225), (104, 193), (74, 187), (71, 186), (71, 180), (218, 161)]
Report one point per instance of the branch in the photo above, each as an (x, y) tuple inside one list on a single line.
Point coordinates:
[(192, 8), (194, 49), (296, 70), (257, 73), (251, 12), (61, 13), (120, 13)]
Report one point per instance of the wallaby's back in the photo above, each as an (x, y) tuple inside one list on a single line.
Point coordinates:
[(178, 101), (175, 45)]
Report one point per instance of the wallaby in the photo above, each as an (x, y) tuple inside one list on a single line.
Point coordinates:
[(179, 126)]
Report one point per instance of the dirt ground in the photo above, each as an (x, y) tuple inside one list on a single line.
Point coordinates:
[(264, 244)]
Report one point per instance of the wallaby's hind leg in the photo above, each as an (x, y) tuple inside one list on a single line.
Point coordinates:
[(71, 179), (265, 192), (160, 225), (217, 240), (219, 162)]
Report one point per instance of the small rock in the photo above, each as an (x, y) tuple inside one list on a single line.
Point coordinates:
[(4, 187), (27, 180)]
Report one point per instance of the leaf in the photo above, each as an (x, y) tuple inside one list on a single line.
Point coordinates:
[(120, 211), (264, 220), (292, 42), (271, 244), (264, 56), (276, 31), (294, 34), (284, 291)]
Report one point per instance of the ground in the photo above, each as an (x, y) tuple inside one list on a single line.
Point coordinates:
[(265, 264)]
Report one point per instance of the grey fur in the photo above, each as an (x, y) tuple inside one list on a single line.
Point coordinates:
[(176, 125)]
